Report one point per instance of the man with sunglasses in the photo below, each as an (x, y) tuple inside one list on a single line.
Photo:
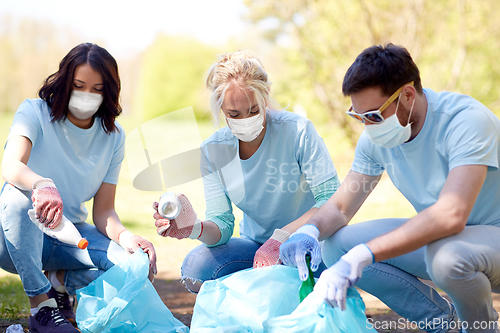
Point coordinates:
[(441, 150)]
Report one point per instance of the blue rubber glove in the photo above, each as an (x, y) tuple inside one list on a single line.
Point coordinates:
[(333, 283), (301, 242)]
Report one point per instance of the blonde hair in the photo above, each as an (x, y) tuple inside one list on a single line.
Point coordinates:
[(241, 69)]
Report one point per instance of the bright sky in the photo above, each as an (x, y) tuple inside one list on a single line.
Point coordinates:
[(132, 25)]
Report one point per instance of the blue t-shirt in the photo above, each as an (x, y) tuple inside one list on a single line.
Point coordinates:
[(77, 160), (458, 130), (272, 187)]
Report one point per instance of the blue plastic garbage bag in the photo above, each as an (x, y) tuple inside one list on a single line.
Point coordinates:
[(124, 300), (313, 315), (248, 300), (242, 301)]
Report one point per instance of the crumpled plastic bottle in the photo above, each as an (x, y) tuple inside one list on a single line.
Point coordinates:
[(169, 206), (65, 232), (17, 328)]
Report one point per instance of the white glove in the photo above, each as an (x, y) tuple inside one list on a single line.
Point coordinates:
[(301, 242), (333, 283)]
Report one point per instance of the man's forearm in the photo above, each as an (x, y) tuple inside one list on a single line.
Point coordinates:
[(328, 219), (429, 225)]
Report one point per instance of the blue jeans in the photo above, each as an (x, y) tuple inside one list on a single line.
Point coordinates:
[(466, 266), (209, 263), (27, 251)]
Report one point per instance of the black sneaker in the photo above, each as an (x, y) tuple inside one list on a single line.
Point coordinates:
[(49, 319), (63, 304)]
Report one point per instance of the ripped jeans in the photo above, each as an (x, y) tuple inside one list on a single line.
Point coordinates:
[(27, 251), (209, 263)]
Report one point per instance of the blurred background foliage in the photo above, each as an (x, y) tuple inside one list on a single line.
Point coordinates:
[(454, 42), (307, 46), (172, 76)]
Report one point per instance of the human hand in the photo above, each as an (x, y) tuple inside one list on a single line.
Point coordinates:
[(301, 242), (333, 283), (131, 243), (269, 253), (185, 225), (47, 203)]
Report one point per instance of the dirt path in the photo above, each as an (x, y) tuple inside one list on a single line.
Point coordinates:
[(181, 302)]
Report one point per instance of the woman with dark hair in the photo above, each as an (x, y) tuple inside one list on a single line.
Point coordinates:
[(65, 148)]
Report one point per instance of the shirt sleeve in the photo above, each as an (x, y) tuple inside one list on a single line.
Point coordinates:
[(313, 156), (472, 138), (324, 191), (219, 209), (26, 123), (364, 162), (118, 156), (220, 212)]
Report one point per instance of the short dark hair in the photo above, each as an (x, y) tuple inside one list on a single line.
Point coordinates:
[(57, 88), (388, 67)]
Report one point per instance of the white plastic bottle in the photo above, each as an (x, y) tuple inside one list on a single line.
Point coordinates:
[(65, 232), (169, 206)]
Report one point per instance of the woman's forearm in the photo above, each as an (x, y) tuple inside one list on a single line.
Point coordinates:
[(210, 234), (108, 223), (19, 175), (14, 163)]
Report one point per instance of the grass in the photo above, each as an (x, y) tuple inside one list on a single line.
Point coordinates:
[(13, 301), (134, 206)]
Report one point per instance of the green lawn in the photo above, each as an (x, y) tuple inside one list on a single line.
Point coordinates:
[(13, 301), (134, 207)]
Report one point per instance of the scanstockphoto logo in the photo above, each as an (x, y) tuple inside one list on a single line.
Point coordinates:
[(289, 177), (281, 177), (431, 324), (284, 177), (164, 152)]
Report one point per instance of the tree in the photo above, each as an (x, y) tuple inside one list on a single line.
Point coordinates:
[(454, 43), (30, 50), (172, 76)]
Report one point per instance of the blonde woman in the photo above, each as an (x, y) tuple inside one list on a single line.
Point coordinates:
[(271, 164)]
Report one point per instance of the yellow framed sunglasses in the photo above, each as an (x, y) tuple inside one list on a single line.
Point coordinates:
[(376, 115)]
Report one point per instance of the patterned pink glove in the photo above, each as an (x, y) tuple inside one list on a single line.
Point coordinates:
[(47, 203), (185, 225), (269, 253), (131, 243)]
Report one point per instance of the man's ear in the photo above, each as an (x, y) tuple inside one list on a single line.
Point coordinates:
[(409, 93)]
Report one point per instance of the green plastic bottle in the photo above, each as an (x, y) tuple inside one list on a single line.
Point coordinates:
[(308, 285)]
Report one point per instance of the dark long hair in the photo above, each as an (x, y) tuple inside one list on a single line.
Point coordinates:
[(57, 88)]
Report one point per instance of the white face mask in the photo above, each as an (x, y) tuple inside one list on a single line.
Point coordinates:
[(390, 133), (247, 129), (84, 105)]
